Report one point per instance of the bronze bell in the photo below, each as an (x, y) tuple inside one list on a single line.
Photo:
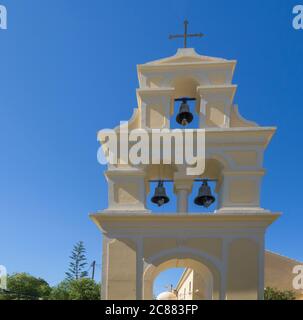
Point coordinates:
[(184, 117), (204, 198), (160, 196)]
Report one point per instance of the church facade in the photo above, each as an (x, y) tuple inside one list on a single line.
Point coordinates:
[(278, 275), (225, 247)]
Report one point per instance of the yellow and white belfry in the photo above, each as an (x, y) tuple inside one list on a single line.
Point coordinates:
[(225, 248)]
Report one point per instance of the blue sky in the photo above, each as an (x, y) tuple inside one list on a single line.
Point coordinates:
[(59, 65)]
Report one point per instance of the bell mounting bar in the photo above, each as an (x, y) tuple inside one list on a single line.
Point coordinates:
[(185, 99), (195, 180)]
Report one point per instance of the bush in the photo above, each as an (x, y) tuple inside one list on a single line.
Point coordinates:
[(81, 289), (275, 294), (22, 286)]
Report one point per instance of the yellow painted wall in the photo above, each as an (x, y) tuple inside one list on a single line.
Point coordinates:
[(122, 270), (242, 270)]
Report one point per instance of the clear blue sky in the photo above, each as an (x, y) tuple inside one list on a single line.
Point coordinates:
[(59, 64)]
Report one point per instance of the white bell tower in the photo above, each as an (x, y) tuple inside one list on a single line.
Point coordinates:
[(225, 247)]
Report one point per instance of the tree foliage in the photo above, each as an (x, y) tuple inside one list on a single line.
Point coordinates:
[(78, 263), (81, 289), (275, 294), (22, 286)]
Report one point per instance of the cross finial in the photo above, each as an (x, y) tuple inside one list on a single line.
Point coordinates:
[(186, 35)]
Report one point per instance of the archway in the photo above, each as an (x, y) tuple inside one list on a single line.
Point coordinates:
[(203, 270)]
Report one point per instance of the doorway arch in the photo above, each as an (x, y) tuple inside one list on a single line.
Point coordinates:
[(208, 268)]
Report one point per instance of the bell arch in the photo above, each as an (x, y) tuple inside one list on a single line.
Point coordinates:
[(185, 86), (215, 166)]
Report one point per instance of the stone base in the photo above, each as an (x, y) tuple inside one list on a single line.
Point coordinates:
[(137, 247)]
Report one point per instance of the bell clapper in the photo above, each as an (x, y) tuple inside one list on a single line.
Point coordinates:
[(160, 202), (184, 122)]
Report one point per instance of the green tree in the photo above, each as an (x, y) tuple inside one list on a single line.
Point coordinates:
[(275, 294), (61, 291), (81, 289), (78, 263), (22, 286)]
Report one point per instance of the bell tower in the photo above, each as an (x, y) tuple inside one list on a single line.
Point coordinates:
[(224, 246)]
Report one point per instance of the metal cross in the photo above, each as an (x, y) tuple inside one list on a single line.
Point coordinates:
[(186, 35)]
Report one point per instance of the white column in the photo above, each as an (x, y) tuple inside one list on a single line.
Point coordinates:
[(182, 200), (182, 188)]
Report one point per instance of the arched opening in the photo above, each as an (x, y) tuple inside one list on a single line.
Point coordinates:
[(214, 167), (185, 283), (158, 172), (185, 87), (192, 104), (166, 281), (188, 276)]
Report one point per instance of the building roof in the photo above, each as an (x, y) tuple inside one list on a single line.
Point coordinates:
[(167, 295), (187, 55)]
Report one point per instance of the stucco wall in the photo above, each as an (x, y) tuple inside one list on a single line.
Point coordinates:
[(279, 272)]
